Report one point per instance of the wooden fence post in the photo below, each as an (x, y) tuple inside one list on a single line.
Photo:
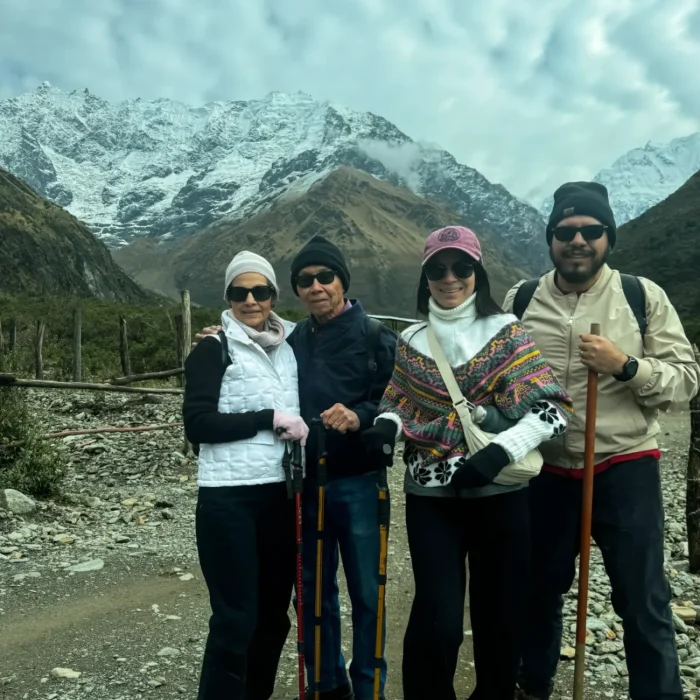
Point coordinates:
[(77, 344), (692, 503), (184, 321), (124, 348), (2, 340), (38, 360), (178, 345), (13, 334)]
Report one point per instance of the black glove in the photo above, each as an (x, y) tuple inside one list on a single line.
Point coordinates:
[(480, 469), (381, 434)]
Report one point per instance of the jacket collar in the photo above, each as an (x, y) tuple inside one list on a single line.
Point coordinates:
[(342, 320)]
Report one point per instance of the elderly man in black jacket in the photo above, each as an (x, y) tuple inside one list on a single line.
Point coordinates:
[(336, 384), (343, 369)]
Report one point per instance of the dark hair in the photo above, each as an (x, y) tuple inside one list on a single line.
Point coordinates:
[(484, 303)]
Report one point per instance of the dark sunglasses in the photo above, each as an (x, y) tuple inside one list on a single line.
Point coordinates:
[(592, 232), (437, 271), (261, 292), (323, 277)]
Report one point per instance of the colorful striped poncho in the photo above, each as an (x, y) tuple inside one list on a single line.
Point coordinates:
[(508, 372)]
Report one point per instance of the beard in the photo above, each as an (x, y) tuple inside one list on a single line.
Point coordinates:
[(579, 269)]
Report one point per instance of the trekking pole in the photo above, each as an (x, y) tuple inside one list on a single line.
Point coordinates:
[(586, 516), (297, 488), (384, 518), (321, 476)]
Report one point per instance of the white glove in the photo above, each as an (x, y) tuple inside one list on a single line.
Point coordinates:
[(289, 427)]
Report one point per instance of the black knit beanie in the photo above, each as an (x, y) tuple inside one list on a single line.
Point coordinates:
[(320, 251), (582, 199)]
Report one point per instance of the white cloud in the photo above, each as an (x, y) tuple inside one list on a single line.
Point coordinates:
[(529, 92)]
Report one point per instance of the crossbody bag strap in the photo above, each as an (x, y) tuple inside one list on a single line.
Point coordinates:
[(446, 371)]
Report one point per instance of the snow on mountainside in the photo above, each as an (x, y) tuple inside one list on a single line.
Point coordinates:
[(646, 176), (162, 168)]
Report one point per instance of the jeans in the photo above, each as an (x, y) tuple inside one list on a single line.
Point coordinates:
[(493, 532), (628, 527), (245, 540), (351, 529)]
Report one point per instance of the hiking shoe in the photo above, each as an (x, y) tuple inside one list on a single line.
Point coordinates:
[(343, 692)]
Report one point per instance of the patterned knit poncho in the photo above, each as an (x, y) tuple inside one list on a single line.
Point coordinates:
[(508, 372)]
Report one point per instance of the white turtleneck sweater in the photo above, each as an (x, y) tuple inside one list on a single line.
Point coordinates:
[(462, 335)]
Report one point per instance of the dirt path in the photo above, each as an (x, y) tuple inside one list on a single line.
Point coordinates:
[(136, 627), (104, 625)]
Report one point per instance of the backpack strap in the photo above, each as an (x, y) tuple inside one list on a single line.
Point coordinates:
[(225, 357), (636, 298), (524, 296), (374, 329)]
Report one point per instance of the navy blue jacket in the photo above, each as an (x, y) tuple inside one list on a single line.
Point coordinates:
[(333, 367)]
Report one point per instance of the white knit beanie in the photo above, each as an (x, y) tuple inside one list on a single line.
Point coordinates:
[(246, 261)]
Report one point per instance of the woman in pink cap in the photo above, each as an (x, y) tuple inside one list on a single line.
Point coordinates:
[(457, 503)]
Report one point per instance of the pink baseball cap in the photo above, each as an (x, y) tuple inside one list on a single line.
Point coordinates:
[(455, 237)]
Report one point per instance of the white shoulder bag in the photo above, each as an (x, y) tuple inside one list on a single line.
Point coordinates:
[(516, 472)]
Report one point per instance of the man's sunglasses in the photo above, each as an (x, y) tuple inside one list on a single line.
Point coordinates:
[(437, 271), (592, 232), (261, 292), (307, 279)]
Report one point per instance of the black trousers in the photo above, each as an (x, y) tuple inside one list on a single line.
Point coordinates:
[(246, 545), (628, 526), (494, 532)]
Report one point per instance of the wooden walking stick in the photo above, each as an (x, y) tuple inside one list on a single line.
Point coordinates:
[(586, 515)]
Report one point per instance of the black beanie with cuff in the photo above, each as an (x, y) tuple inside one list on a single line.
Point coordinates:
[(582, 199), (320, 251)]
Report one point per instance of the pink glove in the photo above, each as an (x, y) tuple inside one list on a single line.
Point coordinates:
[(289, 427)]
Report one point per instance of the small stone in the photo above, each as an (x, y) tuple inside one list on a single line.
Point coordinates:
[(167, 514), (63, 539), (156, 682), (169, 651), (65, 673), (679, 625), (186, 577), (567, 652), (17, 502), (687, 614), (91, 565)]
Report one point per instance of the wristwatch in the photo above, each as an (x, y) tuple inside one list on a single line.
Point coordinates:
[(629, 370)]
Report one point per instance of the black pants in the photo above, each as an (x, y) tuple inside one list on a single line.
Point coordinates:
[(628, 526), (494, 532), (246, 545)]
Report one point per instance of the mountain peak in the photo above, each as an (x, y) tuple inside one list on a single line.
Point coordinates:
[(164, 168)]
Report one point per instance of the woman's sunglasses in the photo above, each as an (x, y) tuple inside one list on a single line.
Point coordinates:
[(261, 292), (437, 271), (324, 277), (592, 232)]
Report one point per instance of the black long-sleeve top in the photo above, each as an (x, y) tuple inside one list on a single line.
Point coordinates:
[(204, 370)]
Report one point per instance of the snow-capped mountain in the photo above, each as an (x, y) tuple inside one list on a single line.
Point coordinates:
[(645, 176), (140, 168)]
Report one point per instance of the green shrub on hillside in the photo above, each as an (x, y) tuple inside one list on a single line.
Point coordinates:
[(34, 466)]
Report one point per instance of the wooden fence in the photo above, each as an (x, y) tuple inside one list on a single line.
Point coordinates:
[(183, 342)]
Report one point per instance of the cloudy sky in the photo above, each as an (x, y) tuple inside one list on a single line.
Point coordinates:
[(530, 92)]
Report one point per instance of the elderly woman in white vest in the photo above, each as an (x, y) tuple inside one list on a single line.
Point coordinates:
[(241, 409)]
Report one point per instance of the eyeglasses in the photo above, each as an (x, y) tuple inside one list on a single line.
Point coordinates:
[(261, 292), (307, 279), (437, 271), (592, 232)]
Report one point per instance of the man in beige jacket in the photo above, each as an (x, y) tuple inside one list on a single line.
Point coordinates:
[(646, 364)]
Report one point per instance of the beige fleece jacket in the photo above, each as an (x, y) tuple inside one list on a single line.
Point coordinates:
[(668, 375)]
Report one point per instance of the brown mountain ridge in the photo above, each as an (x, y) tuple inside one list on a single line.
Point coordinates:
[(663, 244), (44, 250), (380, 228)]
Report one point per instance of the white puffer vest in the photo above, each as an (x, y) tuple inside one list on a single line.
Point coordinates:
[(254, 381)]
